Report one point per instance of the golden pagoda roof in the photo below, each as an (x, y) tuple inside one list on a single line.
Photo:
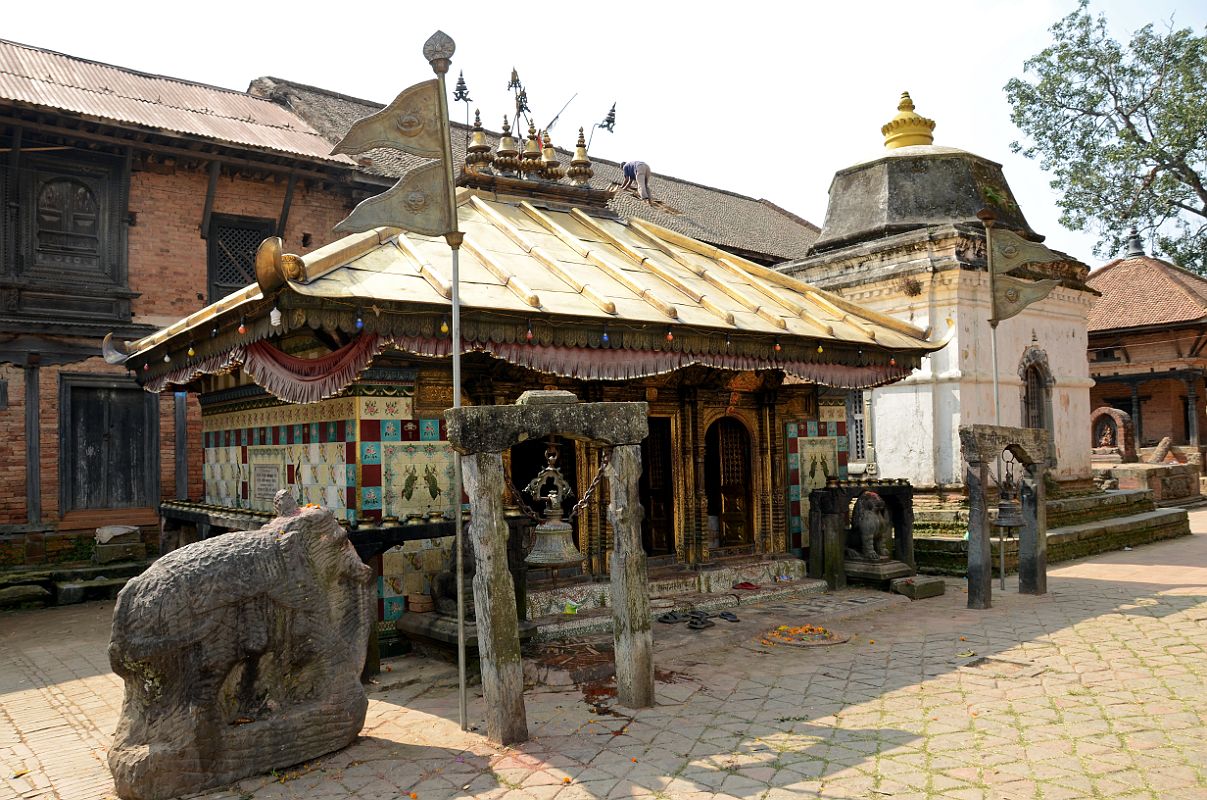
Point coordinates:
[(557, 267)]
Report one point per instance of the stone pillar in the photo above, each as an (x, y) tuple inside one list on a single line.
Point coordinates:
[(1192, 402), (1136, 421), (494, 601), (1033, 538), (980, 553), (631, 634)]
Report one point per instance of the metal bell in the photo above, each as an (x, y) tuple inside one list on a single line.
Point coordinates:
[(1009, 513), (554, 543)]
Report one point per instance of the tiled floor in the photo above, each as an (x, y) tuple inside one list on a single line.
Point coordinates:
[(1096, 690)]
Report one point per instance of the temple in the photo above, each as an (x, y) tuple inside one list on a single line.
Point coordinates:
[(332, 372), (902, 236)]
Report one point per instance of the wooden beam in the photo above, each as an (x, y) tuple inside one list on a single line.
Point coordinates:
[(33, 441), (207, 212), (284, 218)]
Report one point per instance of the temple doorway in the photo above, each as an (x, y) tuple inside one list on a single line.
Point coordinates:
[(727, 481), (657, 490)]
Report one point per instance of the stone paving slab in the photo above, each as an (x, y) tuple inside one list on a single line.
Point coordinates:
[(1092, 691)]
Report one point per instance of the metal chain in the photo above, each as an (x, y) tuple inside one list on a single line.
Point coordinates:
[(519, 499), (586, 498), (578, 507)]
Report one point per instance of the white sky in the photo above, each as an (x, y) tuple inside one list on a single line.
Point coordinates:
[(762, 98)]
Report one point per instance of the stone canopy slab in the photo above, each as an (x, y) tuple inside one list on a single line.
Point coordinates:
[(493, 429), (982, 444)]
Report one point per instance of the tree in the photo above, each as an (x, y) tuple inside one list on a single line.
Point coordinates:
[(1124, 132)]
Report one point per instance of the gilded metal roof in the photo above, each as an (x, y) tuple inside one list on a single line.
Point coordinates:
[(528, 262), (43, 78)]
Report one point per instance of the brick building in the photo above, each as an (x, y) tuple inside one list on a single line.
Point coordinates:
[(1147, 335), (133, 199)]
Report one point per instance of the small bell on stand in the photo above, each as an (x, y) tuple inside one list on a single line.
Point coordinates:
[(554, 545), (1009, 511)]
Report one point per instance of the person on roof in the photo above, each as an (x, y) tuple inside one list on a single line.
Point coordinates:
[(637, 173)]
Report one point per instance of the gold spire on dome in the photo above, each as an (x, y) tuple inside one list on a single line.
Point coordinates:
[(580, 171), (551, 167), (531, 160), (907, 128), (507, 160), (477, 153)]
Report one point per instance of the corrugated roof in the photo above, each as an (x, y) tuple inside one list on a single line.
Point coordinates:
[(708, 214), (1140, 291), (53, 80)]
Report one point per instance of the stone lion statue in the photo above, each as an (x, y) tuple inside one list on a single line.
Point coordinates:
[(870, 528), (240, 654)]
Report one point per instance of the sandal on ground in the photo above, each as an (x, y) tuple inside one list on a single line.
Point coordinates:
[(700, 623), (745, 585), (672, 617), (728, 616)]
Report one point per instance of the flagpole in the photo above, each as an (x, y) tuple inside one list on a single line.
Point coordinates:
[(439, 56), (987, 219)]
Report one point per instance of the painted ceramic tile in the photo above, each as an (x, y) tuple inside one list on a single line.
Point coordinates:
[(417, 477), (429, 430)]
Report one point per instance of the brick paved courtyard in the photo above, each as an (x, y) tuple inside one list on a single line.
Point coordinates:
[(1097, 690)]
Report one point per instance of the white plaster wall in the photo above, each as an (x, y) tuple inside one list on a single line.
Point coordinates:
[(916, 422)]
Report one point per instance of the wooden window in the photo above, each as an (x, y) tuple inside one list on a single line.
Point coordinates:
[(109, 440), (233, 242), (64, 256), (1035, 395)]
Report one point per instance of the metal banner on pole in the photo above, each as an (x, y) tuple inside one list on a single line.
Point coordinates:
[(438, 50)]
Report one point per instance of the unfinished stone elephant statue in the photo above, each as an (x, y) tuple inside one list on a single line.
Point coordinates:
[(240, 654), (870, 528)]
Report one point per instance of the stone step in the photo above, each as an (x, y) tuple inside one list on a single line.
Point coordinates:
[(69, 592), (948, 555), (953, 520)]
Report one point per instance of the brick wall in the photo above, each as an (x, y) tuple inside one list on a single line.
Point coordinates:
[(167, 253), (1161, 409), (168, 266)]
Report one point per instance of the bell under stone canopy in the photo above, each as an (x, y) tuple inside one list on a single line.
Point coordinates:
[(558, 288), (915, 185)]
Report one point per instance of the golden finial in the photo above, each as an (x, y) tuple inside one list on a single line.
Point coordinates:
[(477, 153), (507, 160), (580, 171), (530, 162), (907, 128), (551, 167)]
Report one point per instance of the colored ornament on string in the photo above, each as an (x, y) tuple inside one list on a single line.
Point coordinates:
[(242, 327), (444, 326), (604, 338), (274, 317), (820, 349), (360, 322), (670, 337), (167, 359), (892, 362), (191, 351)]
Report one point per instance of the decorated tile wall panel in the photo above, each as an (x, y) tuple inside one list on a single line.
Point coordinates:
[(816, 449)]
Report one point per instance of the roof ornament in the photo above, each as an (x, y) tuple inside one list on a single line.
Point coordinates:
[(907, 128), (507, 161), (608, 124), (551, 167), (477, 152), (1135, 245), (530, 161), (580, 171), (461, 92)]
